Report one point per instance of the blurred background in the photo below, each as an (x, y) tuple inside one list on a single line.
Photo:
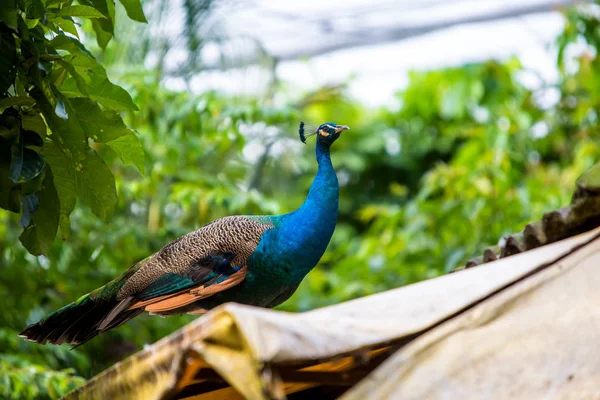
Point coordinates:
[(469, 119)]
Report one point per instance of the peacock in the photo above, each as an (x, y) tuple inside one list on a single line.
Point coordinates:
[(255, 260)]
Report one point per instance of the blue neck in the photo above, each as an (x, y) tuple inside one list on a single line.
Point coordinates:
[(298, 241), (323, 196), (308, 230)]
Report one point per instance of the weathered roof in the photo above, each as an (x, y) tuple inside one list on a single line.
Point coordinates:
[(523, 326), (536, 339)]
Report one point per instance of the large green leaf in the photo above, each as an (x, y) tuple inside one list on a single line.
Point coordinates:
[(32, 140), (73, 46), (85, 63), (80, 11), (39, 235), (8, 13), (66, 132), (63, 182), (108, 127), (107, 8), (80, 79), (33, 164), (31, 121), (32, 185), (9, 125), (66, 25), (29, 205), (26, 164), (130, 150), (95, 185), (103, 91), (81, 68), (35, 9), (103, 36), (134, 10), (15, 101), (100, 125)]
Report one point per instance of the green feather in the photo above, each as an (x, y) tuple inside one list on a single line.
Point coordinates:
[(169, 283)]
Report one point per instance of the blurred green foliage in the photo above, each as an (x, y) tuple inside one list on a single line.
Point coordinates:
[(470, 155)]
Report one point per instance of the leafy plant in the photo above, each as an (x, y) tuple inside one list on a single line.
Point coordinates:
[(58, 107)]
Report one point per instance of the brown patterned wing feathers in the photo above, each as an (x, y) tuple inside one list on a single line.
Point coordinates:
[(214, 257), (195, 294)]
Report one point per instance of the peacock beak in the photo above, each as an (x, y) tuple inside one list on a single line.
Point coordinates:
[(340, 128)]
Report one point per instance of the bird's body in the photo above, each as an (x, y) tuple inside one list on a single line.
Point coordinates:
[(255, 260)]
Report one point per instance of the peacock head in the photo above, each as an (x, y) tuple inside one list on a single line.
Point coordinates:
[(327, 133)]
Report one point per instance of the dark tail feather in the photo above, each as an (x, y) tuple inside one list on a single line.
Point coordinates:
[(78, 322)]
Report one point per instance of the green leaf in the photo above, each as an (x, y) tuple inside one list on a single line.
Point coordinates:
[(79, 79), (81, 68), (15, 101), (9, 125), (134, 10), (10, 193), (33, 165), (29, 205), (101, 125), (95, 185), (8, 13), (31, 140), (31, 23), (110, 7), (25, 165), (85, 63), (38, 237), (68, 133), (67, 25), (73, 46), (103, 91), (107, 8), (64, 183), (16, 161), (80, 11), (58, 76), (102, 36), (107, 126), (35, 9), (33, 185), (130, 150), (10, 196), (8, 60), (50, 3), (32, 121)]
